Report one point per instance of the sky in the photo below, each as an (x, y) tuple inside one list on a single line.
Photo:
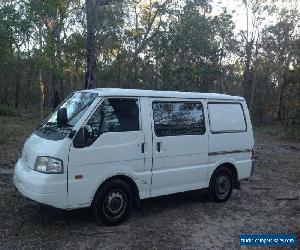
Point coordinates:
[(235, 8), (239, 12)]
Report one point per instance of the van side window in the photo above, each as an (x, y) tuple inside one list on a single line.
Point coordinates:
[(226, 118), (178, 118), (115, 115)]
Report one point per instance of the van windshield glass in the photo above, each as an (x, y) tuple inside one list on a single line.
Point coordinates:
[(76, 105)]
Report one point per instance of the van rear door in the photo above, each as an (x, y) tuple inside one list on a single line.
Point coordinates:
[(180, 145)]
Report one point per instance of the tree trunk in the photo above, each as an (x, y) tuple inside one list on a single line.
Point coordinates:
[(42, 95), (59, 65), (18, 79), (90, 44), (28, 90), (55, 93), (92, 10), (281, 102), (136, 42), (247, 73), (6, 96), (283, 87), (42, 86)]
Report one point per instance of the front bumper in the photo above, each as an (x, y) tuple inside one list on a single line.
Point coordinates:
[(43, 188)]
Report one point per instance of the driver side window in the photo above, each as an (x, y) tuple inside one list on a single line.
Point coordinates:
[(114, 115)]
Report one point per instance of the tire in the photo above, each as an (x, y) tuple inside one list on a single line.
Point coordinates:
[(112, 203), (221, 185)]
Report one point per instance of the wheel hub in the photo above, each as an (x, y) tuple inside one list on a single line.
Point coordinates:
[(114, 204), (222, 184)]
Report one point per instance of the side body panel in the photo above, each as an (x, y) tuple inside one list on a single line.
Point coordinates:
[(113, 153), (232, 147), (181, 163)]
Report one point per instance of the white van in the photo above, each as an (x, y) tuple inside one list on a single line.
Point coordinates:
[(109, 148)]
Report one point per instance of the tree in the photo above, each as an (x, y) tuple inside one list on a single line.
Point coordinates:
[(50, 48), (49, 18), (227, 49), (93, 8), (255, 11), (147, 22), (280, 38), (15, 29)]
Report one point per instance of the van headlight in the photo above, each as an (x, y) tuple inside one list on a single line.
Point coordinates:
[(48, 165)]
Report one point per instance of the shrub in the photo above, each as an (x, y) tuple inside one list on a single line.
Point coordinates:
[(8, 111)]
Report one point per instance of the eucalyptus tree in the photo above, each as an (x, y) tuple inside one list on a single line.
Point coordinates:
[(49, 17), (280, 39), (148, 19), (256, 12), (93, 10), (110, 44), (188, 51), (15, 30), (227, 53)]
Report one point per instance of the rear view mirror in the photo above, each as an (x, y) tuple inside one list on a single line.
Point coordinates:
[(62, 117)]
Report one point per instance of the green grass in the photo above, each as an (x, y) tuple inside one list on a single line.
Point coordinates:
[(15, 129), (8, 111), (291, 133)]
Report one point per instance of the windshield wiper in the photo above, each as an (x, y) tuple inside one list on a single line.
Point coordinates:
[(45, 129), (48, 126), (50, 123), (69, 127)]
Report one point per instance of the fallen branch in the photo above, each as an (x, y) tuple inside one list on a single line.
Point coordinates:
[(92, 233), (257, 188), (287, 199)]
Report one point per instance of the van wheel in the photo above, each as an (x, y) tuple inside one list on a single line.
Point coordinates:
[(112, 203), (221, 185)]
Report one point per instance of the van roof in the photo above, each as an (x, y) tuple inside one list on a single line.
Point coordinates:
[(154, 93)]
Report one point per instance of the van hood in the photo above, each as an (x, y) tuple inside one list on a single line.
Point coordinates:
[(36, 146)]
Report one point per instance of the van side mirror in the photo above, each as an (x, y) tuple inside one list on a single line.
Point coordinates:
[(62, 117), (81, 137)]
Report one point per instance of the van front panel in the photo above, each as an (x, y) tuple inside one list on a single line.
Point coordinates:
[(115, 150)]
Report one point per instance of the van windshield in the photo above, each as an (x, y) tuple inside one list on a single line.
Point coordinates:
[(76, 106)]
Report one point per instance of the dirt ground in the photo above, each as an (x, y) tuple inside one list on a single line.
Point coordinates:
[(268, 203)]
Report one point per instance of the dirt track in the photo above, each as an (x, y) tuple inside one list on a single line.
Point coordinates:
[(268, 203)]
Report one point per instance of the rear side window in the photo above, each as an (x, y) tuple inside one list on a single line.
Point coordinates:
[(178, 118), (226, 118)]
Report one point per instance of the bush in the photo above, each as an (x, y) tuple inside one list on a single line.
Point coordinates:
[(8, 111), (291, 133), (3, 138)]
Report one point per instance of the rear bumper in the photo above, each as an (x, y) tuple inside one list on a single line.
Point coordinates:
[(42, 188)]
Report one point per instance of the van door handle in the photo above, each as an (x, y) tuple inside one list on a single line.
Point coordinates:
[(143, 147), (158, 146)]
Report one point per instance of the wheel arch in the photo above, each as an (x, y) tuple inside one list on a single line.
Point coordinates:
[(129, 180), (233, 170)]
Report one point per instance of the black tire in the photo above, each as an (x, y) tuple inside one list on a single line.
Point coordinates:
[(221, 185), (112, 203)]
